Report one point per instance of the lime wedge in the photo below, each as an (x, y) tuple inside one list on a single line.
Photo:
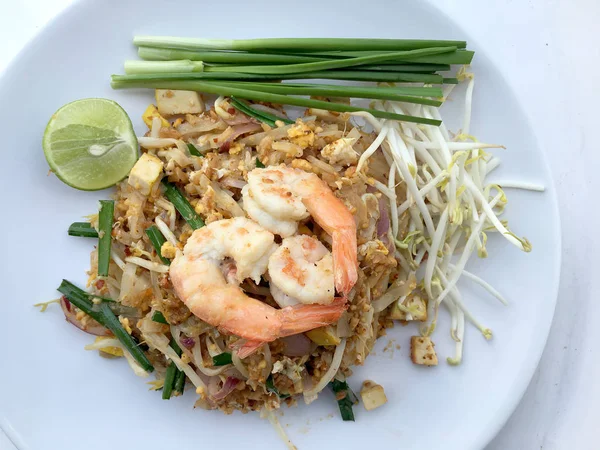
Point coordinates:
[(90, 144)]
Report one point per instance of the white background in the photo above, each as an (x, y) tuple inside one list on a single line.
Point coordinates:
[(549, 52)]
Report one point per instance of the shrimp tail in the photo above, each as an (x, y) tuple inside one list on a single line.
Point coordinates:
[(295, 320), (245, 348), (300, 318), (344, 260)]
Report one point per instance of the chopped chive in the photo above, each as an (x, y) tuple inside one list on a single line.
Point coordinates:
[(105, 222), (82, 229), (222, 359), (157, 240), (179, 384), (175, 346), (267, 115), (193, 150), (271, 388), (169, 380), (345, 398), (81, 299), (182, 205), (346, 411), (259, 164), (93, 303), (113, 324), (258, 114), (116, 307), (172, 373), (157, 316), (243, 107), (104, 316)]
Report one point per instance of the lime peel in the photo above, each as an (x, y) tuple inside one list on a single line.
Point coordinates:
[(90, 144)]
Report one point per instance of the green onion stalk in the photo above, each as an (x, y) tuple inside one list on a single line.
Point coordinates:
[(293, 44), (105, 222), (273, 98)]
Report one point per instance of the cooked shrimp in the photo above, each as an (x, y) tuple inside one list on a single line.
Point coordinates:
[(214, 296), (302, 269), (238, 239), (274, 225), (278, 197)]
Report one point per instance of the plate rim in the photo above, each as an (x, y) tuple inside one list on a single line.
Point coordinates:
[(508, 406)]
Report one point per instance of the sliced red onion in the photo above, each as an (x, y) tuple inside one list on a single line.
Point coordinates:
[(239, 119), (383, 226), (275, 112), (189, 130), (236, 132), (296, 345), (232, 182), (187, 342), (227, 388), (96, 329)]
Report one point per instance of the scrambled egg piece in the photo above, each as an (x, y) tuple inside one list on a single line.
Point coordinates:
[(125, 322), (150, 113), (341, 152), (236, 148), (168, 250), (145, 173), (171, 102), (301, 135)]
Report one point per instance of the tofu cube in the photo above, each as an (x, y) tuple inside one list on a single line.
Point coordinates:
[(145, 173), (415, 304), (373, 395), (422, 352), (171, 102)]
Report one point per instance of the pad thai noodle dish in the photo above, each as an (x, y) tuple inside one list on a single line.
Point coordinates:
[(263, 232)]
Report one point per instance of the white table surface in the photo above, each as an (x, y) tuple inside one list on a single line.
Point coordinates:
[(549, 51)]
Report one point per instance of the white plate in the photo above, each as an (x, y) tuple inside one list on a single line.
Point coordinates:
[(56, 395)]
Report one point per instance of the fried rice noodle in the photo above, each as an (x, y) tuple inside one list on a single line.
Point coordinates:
[(331, 371)]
